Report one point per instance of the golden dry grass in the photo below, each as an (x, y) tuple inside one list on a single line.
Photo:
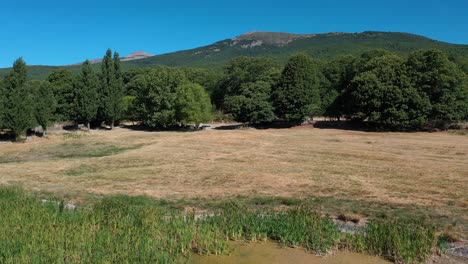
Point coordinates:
[(426, 169)]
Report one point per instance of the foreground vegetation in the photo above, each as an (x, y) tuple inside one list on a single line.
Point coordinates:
[(125, 229)]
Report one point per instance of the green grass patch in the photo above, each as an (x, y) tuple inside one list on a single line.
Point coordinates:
[(122, 229), (7, 159), (71, 150), (68, 150), (460, 132), (80, 170), (74, 135)]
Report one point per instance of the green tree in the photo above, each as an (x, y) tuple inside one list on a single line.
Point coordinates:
[(442, 81), (157, 96), (61, 81), (44, 103), (2, 99), (339, 73), (129, 111), (17, 115), (247, 89), (129, 79), (193, 104), (208, 79), (111, 89), (382, 95), (86, 96), (253, 104), (118, 91), (297, 94)]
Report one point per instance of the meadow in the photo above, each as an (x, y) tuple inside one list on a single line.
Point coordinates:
[(205, 188)]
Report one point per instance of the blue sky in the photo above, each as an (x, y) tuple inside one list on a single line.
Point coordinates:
[(67, 31)]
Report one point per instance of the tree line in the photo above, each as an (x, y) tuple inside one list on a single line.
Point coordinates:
[(380, 89), (160, 97)]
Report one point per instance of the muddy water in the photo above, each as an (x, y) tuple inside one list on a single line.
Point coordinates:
[(272, 253)]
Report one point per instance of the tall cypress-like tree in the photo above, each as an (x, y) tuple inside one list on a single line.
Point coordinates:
[(118, 91), (61, 81), (44, 103), (86, 96), (297, 94), (105, 87), (2, 98), (111, 89), (17, 105)]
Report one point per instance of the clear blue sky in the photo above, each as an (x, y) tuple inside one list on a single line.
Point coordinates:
[(67, 31)]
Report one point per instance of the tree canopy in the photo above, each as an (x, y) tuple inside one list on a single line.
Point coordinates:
[(193, 104), (156, 99), (297, 94), (44, 103), (379, 88), (110, 90), (247, 89), (17, 101), (61, 82), (442, 81), (86, 95)]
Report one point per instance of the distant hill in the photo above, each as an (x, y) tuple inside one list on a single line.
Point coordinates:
[(137, 55), (279, 46)]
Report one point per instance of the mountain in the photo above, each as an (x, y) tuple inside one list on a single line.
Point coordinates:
[(137, 55), (279, 46)]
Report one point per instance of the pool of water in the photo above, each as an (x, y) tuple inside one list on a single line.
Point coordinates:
[(272, 253)]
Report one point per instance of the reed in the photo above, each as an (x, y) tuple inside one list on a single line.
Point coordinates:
[(132, 230)]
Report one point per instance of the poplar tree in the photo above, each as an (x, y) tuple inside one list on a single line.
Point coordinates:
[(17, 115), (111, 89), (86, 96), (105, 87), (118, 91)]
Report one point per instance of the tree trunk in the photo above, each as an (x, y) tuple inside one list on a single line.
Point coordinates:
[(88, 125)]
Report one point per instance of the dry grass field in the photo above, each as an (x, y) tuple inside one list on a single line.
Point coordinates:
[(339, 171)]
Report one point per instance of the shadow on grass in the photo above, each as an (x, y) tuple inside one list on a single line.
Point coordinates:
[(343, 125), (144, 128), (272, 125), (5, 137)]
